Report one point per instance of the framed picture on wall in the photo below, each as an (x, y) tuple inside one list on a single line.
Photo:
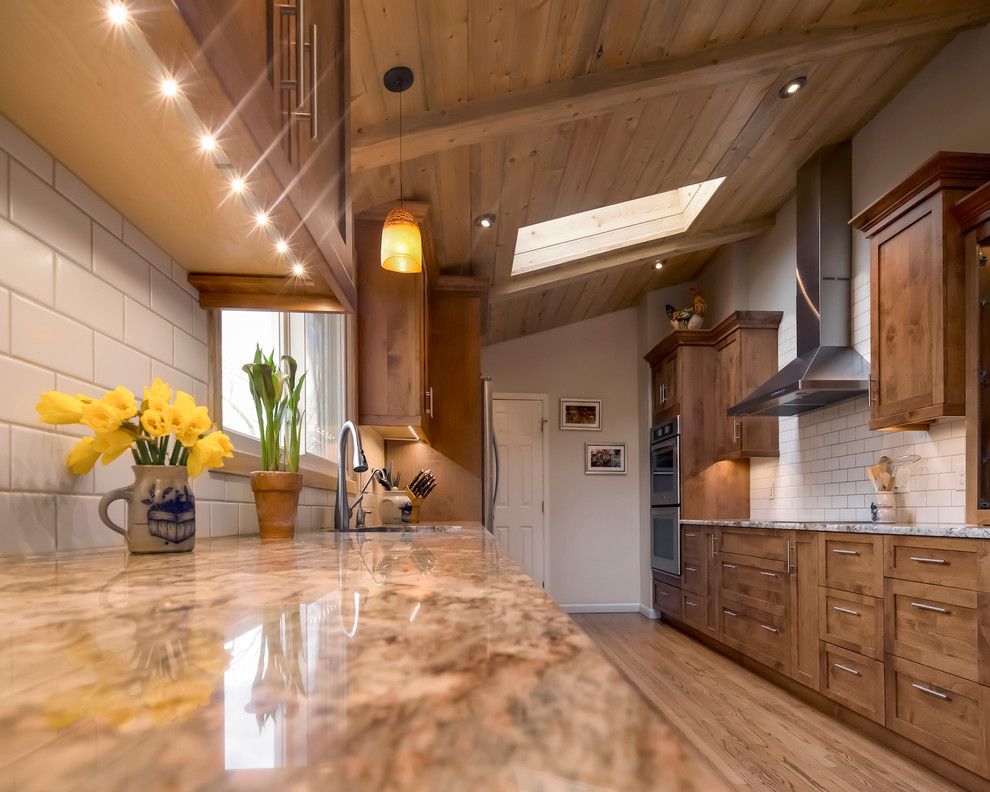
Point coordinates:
[(605, 459), (581, 414)]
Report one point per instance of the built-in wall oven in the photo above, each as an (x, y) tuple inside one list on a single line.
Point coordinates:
[(665, 497)]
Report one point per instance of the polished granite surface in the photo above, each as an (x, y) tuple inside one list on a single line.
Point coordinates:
[(343, 662), (899, 529)]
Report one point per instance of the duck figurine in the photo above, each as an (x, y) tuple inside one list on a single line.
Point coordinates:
[(691, 318)]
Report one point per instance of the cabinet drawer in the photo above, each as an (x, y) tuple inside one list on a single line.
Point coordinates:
[(695, 611), (852, 562), (755, 633), (942, 712), (853, 680), (696, 542), (936, 626), (667, 599), (960, 563), (756, 542), (753, 585), (852, 621), (694, 576)]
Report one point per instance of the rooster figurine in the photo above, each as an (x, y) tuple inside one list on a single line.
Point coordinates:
[(689, 318)]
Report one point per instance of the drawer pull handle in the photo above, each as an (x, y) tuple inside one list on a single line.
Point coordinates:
[(688, 533), (923, 606), (847, 669), (768, 628), (690, 569), (923, 560), (936, 693), (769, 574), (691, 604), (845, 552), (664, 593), (728, 566), (727, 612), (850, 611)]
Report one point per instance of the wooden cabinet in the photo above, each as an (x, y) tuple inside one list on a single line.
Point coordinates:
[(253, 47), (853, 680), (852, 562), (917, 281), (803, 579), (745, 348), (664, 376), (960, 563), (667, 599), (852, 621)]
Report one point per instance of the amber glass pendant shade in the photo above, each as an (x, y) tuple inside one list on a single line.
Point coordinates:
[(402, 244)]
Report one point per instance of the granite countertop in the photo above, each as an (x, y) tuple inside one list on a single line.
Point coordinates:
[(341, 662), (900, 529)]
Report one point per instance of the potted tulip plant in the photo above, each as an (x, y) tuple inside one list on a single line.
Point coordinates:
[(169, 439), (276, 393)]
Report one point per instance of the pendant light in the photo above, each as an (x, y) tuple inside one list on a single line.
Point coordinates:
[(402, 243)]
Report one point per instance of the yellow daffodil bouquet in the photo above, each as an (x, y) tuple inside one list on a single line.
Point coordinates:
[(161, 430)]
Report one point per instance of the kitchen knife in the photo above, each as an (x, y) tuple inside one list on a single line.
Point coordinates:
[(415, 481)]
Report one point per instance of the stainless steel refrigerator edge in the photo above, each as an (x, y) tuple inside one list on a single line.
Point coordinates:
[(489, 457)]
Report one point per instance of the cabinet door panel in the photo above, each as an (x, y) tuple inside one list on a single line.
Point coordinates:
[(726, 394)]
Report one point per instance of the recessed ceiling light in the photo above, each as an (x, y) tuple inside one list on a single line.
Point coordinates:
[(298, 269), (207, 142), (169, 87), (485, 220), (261, 218), (792, 86), (658, 264), (117, 13), (237, 185), (282, 246)]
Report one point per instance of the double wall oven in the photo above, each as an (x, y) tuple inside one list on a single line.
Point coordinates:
[(665, 497)]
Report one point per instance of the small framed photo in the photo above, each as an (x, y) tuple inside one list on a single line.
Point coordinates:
[(605, 459), (581, 414)]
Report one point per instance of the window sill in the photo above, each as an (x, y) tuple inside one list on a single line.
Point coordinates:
[(322, 477)]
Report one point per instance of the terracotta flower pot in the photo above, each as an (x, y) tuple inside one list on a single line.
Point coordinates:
[(276, 497)]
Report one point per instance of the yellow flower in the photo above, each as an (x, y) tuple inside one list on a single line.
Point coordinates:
[(112, 444), (209, 452), (158, 395), (82, 457), (155, 423), (102, 417), (123, 401), (60, 408), (189, 421)]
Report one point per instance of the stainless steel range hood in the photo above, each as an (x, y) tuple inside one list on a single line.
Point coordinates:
[(826, 369)]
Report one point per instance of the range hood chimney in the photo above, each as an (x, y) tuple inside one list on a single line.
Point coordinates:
[(826, 370)]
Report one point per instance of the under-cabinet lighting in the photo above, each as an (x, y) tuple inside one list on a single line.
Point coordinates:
[(117, 13), (792, 86), (282, 247), (298, 269), (261, 219), (237, 185), (658, 264), (169, 87), (207, 142)]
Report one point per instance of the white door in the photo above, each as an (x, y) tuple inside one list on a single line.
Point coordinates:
[(519, 513)]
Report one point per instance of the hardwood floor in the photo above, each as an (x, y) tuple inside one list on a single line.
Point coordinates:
[(758, 737)]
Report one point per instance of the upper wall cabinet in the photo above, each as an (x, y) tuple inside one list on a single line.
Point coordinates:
[(286, 68), (917, 284)]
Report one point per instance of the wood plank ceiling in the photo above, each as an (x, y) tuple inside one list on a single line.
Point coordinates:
[(723, 119)]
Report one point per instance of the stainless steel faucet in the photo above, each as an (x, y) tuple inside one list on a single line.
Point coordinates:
[(359, 463)]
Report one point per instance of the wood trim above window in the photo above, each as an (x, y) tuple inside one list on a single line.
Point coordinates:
[(264, 293)]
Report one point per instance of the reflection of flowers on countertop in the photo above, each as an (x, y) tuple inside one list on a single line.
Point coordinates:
[(163, 681), (278, 682)]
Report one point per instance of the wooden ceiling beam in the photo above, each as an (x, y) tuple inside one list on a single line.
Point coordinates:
[(618, 260), (591, 94)]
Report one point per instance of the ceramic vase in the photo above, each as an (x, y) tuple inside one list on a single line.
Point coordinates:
[(276, 497), (161, 510), (884, 507)]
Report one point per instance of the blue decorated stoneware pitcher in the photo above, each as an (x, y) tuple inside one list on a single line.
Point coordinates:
[(161, 510)]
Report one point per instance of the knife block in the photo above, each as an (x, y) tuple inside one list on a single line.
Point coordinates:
[(414, 517)]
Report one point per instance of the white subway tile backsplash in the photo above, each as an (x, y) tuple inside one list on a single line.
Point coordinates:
[(47, 338), (190, 355), (120, 266), (223, 519), (67, 183), (116, 364), (83, 296), (4, 457), (247, 518), (180, 276), (27, 523), (28, 266), (37, 463), (117, 474), (78, 525), (146, 330), (149, 250), (175, 378), (25, 150), (200, 328), (238, 489), (23, 383), (38, 208), (4, 320), (4, 195), (170, 300)]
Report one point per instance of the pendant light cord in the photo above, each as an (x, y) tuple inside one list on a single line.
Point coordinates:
[(400, 149)]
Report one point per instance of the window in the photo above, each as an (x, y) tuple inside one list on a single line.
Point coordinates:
[(317, 342)]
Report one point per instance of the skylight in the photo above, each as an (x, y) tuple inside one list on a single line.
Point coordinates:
[(587, 234)]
